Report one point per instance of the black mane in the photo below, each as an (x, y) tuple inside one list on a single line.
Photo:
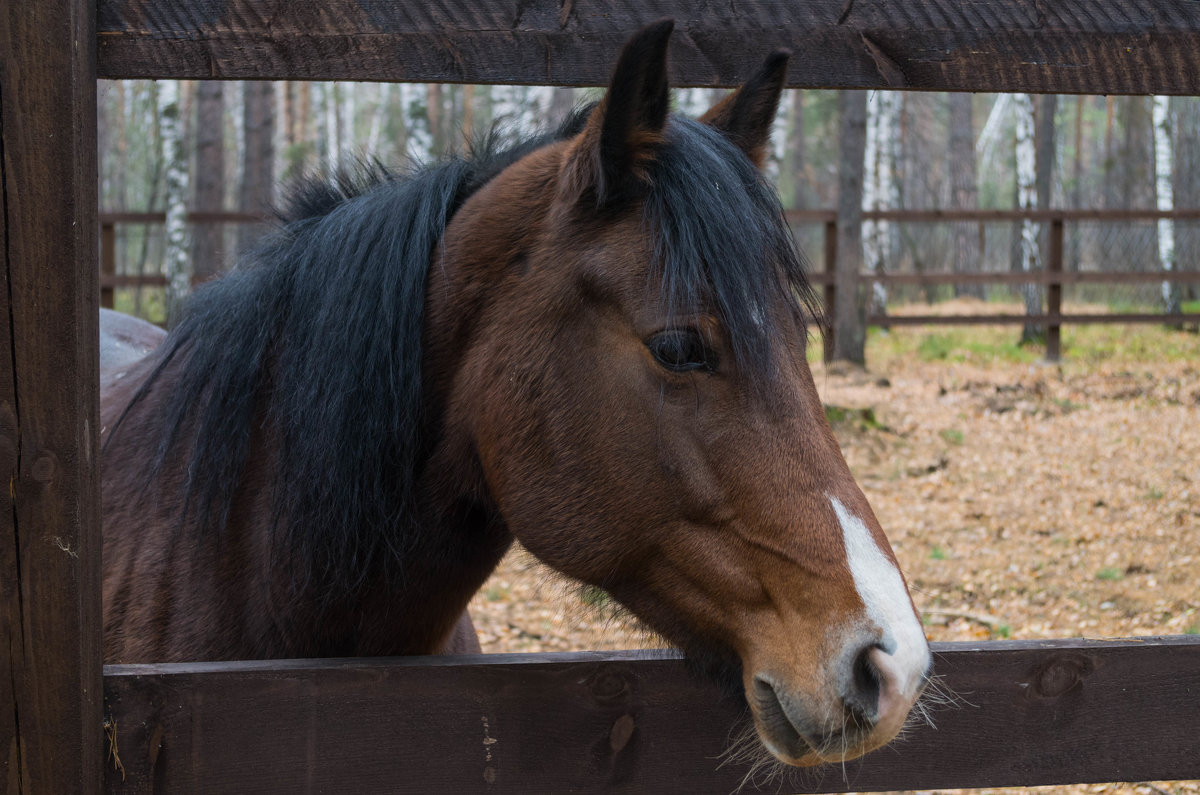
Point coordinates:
[(315, 339)]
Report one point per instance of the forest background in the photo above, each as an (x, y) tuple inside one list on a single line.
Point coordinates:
[(1023, 500), (208, 146)]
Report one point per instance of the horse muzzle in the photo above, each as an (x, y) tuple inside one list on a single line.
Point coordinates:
[(862, 705)]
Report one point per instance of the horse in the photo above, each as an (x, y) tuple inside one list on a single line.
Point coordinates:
[(592, 342)]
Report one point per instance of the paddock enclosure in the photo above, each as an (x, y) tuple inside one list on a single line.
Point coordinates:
[(1045, 712)]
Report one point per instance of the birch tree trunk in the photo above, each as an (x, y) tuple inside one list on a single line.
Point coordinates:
[(1164, 161), (562, 102), (518, 111), (880, 190), (1027, 200), (176, 265), (153, 123), (418, 138), (691, 102)]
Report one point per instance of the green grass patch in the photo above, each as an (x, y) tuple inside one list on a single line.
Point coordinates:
[(495, 593), (859, 419), (937, 553), (152, 307), (955, 345), (952, 435), (592, 596), (1110, 574), (1120, 345)]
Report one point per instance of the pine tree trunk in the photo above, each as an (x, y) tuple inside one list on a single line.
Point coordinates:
[(258, 169), (1077, 184), (1138, 178), (1111, 188), (207, 248), (964, 190), (920, 184), (850, 334), (468, 115), (1187, 186), (437, 123), (1045, 156), (793, 172)]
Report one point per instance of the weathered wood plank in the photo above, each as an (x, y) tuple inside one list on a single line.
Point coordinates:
[(1069, 46), (1025, 713), (50, 685)]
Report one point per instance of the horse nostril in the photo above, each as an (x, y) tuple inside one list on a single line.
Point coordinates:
[(862, 693)]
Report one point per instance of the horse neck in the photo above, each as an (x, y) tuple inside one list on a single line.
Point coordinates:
[(477, 265)]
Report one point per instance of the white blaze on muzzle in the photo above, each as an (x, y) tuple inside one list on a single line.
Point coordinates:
[(887, 602)]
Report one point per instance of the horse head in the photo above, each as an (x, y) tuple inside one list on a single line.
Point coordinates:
[(628, 375)]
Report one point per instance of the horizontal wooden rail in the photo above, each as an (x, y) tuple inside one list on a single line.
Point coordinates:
[(1022, 277), (192, 217), (982, 215), (1069, 46), (1023, 713), (1042, 216), (1033, 320)]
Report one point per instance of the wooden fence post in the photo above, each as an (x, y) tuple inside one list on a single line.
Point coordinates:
[(830, 319), (1054, 291), (51, 730), (108, 262)]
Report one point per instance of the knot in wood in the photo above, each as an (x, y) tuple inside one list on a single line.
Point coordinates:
[(1060, 675), (43, 469), (608, 686)]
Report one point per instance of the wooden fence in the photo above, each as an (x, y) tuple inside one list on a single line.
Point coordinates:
[(1030, 713), (1054, 277)]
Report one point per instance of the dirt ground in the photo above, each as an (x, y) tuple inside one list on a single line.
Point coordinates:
[(1023, 500)]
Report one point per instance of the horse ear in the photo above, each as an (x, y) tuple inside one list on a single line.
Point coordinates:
[(623, 131), (746, 115)]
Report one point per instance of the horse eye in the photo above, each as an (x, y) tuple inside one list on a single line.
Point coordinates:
[(681, 351)]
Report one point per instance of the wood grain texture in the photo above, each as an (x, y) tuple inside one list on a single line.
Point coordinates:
[(1026, 713), (1066, 46), (50, 685)]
